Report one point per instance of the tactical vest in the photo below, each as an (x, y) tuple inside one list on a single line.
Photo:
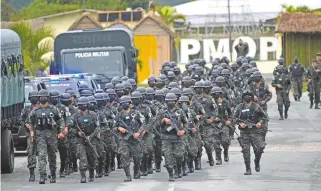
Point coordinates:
[(45, 119), (86, 124), (296, 71)]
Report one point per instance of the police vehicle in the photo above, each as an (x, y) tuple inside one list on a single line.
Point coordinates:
[(62, 83)]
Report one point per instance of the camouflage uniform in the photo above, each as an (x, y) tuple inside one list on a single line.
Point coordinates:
[(100, 169), (251, 134), (222, 131), (44, 122), (282, 93), (115, 109), (31, 146), (173, 146), (72, 140), (88, 123), (129, 147)]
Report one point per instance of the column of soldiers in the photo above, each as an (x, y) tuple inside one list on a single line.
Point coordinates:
[(173, 119)]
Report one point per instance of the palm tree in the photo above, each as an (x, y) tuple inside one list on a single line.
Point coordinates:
[(33, 50), (169, 15), (302, 9)]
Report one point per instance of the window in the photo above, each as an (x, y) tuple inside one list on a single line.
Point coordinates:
[(43, 86), (4, 69), (39, 87), (102, 17), (137, 16), (113, 17), (126, 16), (21, 66)]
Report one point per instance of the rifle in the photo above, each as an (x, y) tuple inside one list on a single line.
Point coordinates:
[(130, 133), (87, 140), (173, 124), (248, 123)]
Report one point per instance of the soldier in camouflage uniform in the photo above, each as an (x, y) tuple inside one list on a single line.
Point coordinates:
[(172, 124), (223, 124), (130, 124), (191, 136), (66, 103), (198, 110), (114, 106), (100, 111), (250, 117), (159, 102), (44, 121), (31, 144), (86, 124), (262, 96), (62, 142), (73, 97), (147, 134)]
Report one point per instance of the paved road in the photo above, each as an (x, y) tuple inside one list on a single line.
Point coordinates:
[(291, 162)]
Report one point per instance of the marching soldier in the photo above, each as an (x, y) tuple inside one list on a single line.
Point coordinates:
[(31, 144), (86, 124), (250, 117), (314, 79), (296, 71), (44, 121)]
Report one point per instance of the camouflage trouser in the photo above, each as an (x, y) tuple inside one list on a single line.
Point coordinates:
[(32, 153), (173, 151), (297, 85), (46, 147), (222, 137), (73, 150), (109, 139), (158, 149), (148, 142), (129, 149), (63, 148), (191, 146), (101, 152), (86, 155), (207, 137), (283, 99), (254, 139)]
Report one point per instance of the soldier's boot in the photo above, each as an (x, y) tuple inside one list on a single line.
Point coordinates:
[(257, 162), (102, 172), (150, 166), (170, 174), (184, 168), (311, 104), (144, 166), (248, 168), (137, 170), (281, 115), (197, 161), (119, 165), (32, 177), (53, 176), (107, 169), (127, 173), (62, 170), (218, 157), (158, 166), (98, 171), (91, 175), (42, 179), (83, 178), (226, 157), (179, 168), (210, 158), (316, 106), (286, 113), (296, 98), (75, 167), (190, 165), (175, 172), (67, 169)]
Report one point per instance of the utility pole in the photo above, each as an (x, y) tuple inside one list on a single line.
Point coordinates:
[(229, 28), (83, 4)]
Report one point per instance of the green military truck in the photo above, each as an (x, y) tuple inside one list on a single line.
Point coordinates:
[(12, 94)]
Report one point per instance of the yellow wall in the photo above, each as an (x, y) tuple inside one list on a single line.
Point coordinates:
[(62, 23), (147, 46)]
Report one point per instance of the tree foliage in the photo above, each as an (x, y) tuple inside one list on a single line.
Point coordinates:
[(302, 9), (169, 14), (32, 49), (6, 10)]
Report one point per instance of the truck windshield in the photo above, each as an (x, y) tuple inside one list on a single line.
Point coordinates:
[(107, 62)]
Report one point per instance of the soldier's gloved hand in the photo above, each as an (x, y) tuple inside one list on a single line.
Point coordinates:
[(194, 130), (198, 117), (227, 123), (258, 125), (255, 98), (209, 121), (61, 135), (262, 102), (217, 119), (136, 135), (180, 132), (242, 125), (122, 130), (166, 121)]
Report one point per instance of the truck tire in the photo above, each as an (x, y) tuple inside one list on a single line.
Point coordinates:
[(7, 152)]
